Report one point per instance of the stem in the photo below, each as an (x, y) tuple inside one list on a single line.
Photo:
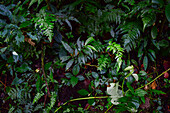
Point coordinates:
[(154, 79), (91, 65), (109, 108), (43, 71), (85, 98)]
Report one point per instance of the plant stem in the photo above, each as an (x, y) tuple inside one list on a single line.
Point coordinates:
[(153, 79), (109, 108), (85, 98), (42, 64)]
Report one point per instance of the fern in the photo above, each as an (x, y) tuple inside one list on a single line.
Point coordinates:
[(131, 32), (52, 100), (45, 22), (37, 97)]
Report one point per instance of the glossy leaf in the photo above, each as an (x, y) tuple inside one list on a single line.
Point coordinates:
[(89, 40)]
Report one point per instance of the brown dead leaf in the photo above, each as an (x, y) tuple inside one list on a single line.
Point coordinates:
[(29, 40), (153, 85)]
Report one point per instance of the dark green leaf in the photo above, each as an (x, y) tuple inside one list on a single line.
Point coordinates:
[(47, 65), (96, 83), (152, 53), (89, 40), (140, 92), (68, 75), (134, 62), (83, 92), (65, 58), (81, 78), (167, 12), (91, 101), (73, 81), (164, 43), (145, 62), (51, 76), (76, 69), (69, 64), (154, 32), (158, 91)]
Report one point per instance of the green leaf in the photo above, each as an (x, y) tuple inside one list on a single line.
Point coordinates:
[(37, 97), (96, 83), (164, 43), (68, 75), (167, 12), (47, 65), (91, 101), (73, 81), (76, 69), (51, 76), (154, 32), (92, 47), (38, 83), (129, 68), (158, 91), (95, 75), (89, 40), (140, 92), (145, 62), (65, 58), (67, 47), (80, 77), (135, 76), (134, 62), (83, 92), (152, 53), (69, 64)]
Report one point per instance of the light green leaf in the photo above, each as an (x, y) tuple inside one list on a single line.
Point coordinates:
[(145, 62), (37, 97), (167, 12), (83, 92), (92, 47), (73, 81), (89, 40), (67, 47), (158, 91), (129, 68), (140, 92), (69, 64), (135, 76), (154, 32), (76, 69)]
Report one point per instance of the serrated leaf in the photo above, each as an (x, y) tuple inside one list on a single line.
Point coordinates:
[(37, 97), (83, 92), (167, 12), (154, 32), (73, 81), (140, 92), (89, 40), (67, 47), (69, 64), (76, 69), (145, 62)]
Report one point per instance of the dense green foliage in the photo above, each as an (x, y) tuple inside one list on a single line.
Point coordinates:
[(110, 54)]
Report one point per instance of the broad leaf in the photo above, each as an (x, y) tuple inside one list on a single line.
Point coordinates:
[(73, 81), (154, 32), (167, 12), (76, 69), (69, 64), (67, 47), (135, 76), (95, 75), (83, 92), (140, 92)]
